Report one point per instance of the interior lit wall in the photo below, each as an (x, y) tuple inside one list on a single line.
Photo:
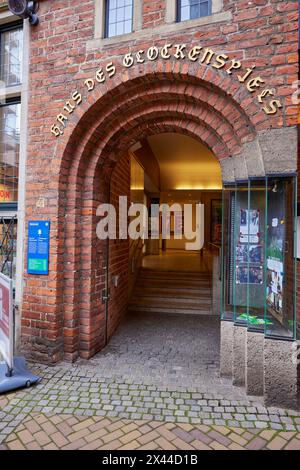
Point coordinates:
[(192, 197)]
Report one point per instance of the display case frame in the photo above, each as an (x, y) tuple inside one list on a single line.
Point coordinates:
[(245, 263)]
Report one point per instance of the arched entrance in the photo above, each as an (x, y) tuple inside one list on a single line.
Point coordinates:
[(133, 105), (169, 331), (138, 108)]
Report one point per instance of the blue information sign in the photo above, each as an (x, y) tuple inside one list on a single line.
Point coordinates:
[(38, 247)]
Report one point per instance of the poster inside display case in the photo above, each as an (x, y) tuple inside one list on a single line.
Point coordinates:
[(249, 226), (276, 224), (249, 275), (251, 253)]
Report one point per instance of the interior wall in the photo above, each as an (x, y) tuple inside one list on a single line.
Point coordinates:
[(173, 243), (206, 199), (192, 197), (147, 159)]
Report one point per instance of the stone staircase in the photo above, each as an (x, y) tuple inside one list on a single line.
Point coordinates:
[(161, 291)]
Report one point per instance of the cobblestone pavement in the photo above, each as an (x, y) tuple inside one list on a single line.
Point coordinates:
[(90, 404), (166, 350)]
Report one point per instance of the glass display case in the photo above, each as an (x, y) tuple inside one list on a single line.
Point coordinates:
[(259, 256)]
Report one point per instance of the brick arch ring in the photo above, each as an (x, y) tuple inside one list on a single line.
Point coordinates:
[(107, 125)]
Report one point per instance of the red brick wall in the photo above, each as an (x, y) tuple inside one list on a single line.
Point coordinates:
[(153, 13), (63, 314)]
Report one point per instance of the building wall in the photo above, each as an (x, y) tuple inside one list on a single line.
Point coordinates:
[(174, 95)]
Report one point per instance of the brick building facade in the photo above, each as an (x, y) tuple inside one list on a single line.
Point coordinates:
[(225, 79)]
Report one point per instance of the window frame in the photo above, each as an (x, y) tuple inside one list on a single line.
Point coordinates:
[(178, 11), (4, 28), (11, 206), (106, 21)]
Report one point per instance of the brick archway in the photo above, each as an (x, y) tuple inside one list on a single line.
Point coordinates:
[(209, 108)]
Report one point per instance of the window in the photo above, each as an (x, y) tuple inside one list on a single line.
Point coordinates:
[(11, 52), (11, 49), (191, 9), (119, 17), (9, 151)]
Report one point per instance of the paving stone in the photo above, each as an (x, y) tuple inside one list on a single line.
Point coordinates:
[(294, 444), (256, 444), (247, 424), (238, 439), (286, 420), (277, 443), (276, 426), (239, 417), (251, 417), (290, 427), (260, 424), (241, 409), (219, 438)]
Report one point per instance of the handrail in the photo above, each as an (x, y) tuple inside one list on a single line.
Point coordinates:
[(136, 246)]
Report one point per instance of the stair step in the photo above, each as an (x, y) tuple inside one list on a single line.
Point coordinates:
[(184, 311), (155, 301), (174, 293), (173, 275), (173, 282)]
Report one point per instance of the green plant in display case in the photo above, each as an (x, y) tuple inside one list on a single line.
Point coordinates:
[(253, 319)]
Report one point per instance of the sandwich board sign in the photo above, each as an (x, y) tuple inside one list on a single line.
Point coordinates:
[(13, 371), (6, 319)]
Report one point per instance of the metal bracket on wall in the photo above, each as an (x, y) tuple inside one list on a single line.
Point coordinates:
[(105, 295)]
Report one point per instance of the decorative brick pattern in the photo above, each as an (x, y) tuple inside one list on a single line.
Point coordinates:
[(43, 432)]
